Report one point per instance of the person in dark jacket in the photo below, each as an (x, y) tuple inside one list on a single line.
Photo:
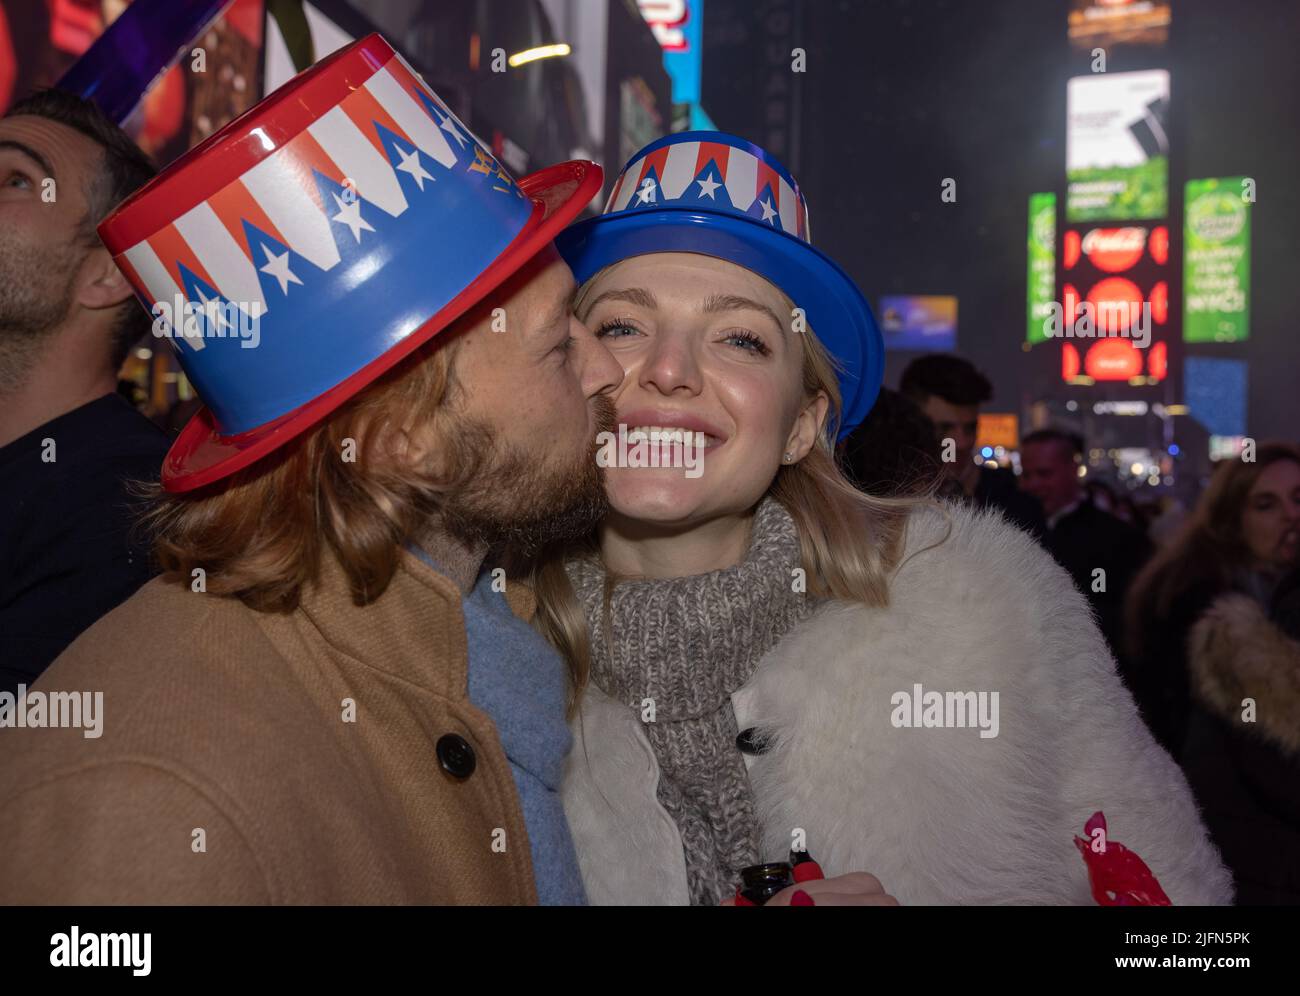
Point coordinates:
[(1242, 751), (1244, 537), (949, 390), (1102, 553), (1286, 605), (69, 442), (894, 451)]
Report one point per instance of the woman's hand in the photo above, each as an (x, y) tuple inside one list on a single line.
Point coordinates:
[(853, 889)]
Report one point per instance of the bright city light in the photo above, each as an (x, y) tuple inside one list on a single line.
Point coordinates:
[(541, 52)]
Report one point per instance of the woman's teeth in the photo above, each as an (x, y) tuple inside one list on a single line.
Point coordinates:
[(670, 434)]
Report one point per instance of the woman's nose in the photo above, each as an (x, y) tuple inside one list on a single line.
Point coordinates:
[(671, 365)]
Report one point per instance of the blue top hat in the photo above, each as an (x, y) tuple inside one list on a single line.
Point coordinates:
[(313, 243), (712, 193)]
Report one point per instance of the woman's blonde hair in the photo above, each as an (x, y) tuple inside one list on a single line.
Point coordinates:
[(851, 541)]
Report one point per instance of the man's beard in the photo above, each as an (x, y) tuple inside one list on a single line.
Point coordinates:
[(513, 500), (35, 297)]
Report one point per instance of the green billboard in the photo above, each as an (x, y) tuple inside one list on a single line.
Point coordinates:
[(1216, 259), (1041, 280)]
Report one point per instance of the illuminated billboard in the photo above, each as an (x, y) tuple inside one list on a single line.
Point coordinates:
[(1117, 146), (994, 429), (1101, 23), (1216, 394), (1040, 281), (1115, 298), (1216, 260), (40, 41), (678, 26), (922, 322)]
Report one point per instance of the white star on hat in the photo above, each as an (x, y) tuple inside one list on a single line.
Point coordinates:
[(350, 215), (411, 164), (647, 192), (278, 267), (708, 186), (449, 126), (766, 205), (218, 314)]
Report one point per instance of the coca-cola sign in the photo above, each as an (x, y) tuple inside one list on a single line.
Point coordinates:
[(1113, 359), (1114, 250), (1114, 289)]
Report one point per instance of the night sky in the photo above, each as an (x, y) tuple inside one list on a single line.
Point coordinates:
[(902, 93)]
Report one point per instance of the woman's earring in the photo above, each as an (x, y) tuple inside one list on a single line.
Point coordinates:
[(789, 457)]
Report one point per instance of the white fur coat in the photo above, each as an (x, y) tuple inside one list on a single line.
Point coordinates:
[(939, 815)]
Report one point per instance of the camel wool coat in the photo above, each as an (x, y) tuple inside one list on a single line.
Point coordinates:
[(228, 769)]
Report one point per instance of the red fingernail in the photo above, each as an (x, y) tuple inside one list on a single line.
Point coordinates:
[(801, 898), (742, 901)]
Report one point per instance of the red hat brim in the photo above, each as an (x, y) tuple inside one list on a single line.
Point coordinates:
[(201, 456)]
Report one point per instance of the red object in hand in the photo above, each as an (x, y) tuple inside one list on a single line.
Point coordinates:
[(1117, 875), (805, 868)]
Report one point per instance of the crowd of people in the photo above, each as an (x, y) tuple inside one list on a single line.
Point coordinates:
[(1157, 679), (1200, 618)]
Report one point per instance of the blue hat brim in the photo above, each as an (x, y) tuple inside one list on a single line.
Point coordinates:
[(834, 307)]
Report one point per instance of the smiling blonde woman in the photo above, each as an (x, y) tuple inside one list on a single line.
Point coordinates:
[(765, 658)]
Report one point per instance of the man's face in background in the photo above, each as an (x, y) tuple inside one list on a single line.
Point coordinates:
[(46, 232), (955, 422), (1048, 471)]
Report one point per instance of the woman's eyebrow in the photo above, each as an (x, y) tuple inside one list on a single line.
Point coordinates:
[(733, 302), (632, 295)]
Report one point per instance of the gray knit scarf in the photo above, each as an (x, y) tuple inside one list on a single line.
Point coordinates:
[(686, 644)]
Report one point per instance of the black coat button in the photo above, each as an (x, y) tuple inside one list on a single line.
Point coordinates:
[(750, 742), (456, 755)]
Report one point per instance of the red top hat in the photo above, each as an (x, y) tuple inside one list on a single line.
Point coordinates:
[(312, 243)]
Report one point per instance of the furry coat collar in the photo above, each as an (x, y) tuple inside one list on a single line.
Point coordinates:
[(940, 814), (1237, 656)]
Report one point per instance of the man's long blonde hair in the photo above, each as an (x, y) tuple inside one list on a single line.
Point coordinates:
[(851, 541)]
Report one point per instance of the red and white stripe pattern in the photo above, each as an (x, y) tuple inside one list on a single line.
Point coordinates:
[(672, 173), (279, 196)]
